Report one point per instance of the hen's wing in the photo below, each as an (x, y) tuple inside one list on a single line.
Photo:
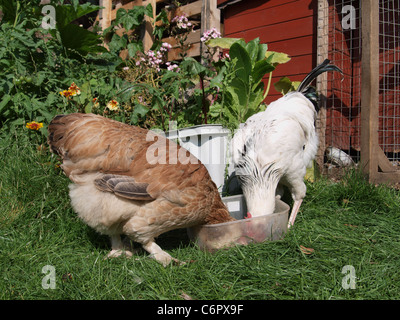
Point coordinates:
[(123, 186)]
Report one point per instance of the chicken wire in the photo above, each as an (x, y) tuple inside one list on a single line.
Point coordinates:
[(389, 75), (343, 107), (343, 46)]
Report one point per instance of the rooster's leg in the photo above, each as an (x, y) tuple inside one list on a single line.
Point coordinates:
[(118, 248), (295, 210), (157, 253)]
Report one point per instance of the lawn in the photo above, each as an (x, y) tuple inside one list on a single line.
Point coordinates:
[(348, 223)]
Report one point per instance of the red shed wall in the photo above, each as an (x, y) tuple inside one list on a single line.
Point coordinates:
[(287, 26)]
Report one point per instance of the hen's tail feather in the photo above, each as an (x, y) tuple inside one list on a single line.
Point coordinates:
[(54, 133), (323, 67)]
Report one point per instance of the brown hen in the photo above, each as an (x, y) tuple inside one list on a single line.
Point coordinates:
[(128, 180)]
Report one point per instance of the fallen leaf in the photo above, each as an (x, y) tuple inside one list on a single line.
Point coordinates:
[(185, 296), (66, 277), (351, 225), (306, 250)]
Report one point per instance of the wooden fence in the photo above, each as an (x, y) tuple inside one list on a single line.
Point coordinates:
[(202, 13), (373, 159)]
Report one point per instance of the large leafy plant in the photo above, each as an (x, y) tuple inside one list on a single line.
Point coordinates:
[(240, 79)]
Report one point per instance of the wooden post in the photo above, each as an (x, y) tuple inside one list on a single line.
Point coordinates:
[(370, 87), (148, 39), (105, 14), (322, 80), (210, 18)]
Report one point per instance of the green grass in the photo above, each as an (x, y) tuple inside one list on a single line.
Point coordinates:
[(346, 223)]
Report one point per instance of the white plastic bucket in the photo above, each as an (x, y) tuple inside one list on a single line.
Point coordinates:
[(236, 205), (209, 144)]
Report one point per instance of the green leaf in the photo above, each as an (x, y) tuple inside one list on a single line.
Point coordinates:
[(72, 36), (5, 62), (158, 31), (6, 98), (132, 18), (9, 9), (243, 64), (163, 17), (262, 49), (48, 116), (94, 82), (117, 43), (261, 68), (240, 93), (149, 11), (224, 43), (121, 14), (192, 67), (51, 98), (40, 77), (89, 107), (276, 58), (134, 47), (18, 122), (252, 49), (66, 14), (217, 81), (285, 85), (81, 40), (139, 110)]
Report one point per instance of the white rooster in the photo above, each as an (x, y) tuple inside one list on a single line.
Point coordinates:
[(276, 146)]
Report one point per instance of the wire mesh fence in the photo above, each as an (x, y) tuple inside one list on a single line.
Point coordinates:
[(389, 84), (341, 41)]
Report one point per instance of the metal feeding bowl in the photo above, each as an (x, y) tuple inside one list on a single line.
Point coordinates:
[(242, 231)]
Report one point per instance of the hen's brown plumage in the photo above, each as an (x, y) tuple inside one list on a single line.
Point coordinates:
[(120, 187)]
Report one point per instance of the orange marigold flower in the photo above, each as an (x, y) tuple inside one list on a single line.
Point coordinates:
[(34, 125), (95, 103), (113, 105), (66, 93), (74, 89)]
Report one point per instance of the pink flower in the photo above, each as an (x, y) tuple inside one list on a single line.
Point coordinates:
[(210, 34), (165, 47), (182, 22), (173, 67), (225, 55)]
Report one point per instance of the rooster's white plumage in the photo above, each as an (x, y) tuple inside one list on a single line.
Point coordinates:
[(274, 147)]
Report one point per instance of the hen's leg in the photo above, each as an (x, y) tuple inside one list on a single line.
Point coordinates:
[(118, 248), (157, 253)]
